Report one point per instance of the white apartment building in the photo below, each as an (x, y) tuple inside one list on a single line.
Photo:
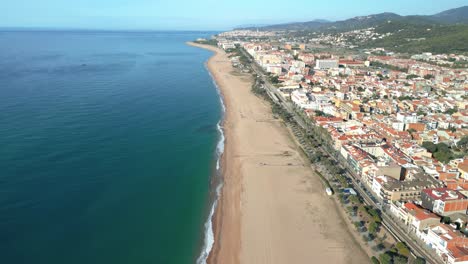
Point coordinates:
[(326, 64)]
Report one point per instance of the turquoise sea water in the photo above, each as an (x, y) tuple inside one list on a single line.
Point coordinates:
[(107, 145)]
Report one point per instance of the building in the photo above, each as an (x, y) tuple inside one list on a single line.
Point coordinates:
[(326, 64), (275, 69), (448, 243), (457, 254), (351, 63), (349, 110), (415, 217), (463, 169), (390, 189), (444, 201), (301, 99), (407, 118), (307, 58), (227, 45)]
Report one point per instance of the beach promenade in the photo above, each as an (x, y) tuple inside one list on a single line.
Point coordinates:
[(273, 209)]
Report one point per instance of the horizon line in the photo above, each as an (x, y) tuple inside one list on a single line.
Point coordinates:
[(234, 27), (20, 28)]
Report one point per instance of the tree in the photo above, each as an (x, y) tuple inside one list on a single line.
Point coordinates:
[(451, 111), (400, 260), (342, 198), (375, 260), (445, 220), (421, 112), (442, 147), (402, 249), (419, 260), (411, 76), (354, 199), (350, 209), (463, 143), (406, 97), (274, 79), (373, 227), (362, 209), (315, 157), (441, 151), (358, 224), (431, 147), (320, 113), (375, 215), (367, 238), (380, 246), (428, 76), (385, 258)]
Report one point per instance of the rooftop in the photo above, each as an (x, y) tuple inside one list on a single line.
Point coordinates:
[(419, 212), (420, 181), (444, 194)]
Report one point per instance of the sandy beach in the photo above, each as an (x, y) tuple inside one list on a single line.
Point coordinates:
[(273, 209)]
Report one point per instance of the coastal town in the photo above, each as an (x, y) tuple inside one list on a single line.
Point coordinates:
[(234, 132), (392, 129)]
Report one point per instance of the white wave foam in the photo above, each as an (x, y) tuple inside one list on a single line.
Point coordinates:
[(209, 234), (220, 146)]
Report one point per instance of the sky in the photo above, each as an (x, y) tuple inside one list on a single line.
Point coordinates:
[(198, 14)]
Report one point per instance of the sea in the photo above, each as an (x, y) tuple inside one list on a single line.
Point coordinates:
[(109, 147)]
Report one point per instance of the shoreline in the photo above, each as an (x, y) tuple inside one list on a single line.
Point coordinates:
[(272, 207), (229, 193), (217, 203)]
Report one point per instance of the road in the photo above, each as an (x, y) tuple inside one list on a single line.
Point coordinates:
[(395, 229), (272, 90)]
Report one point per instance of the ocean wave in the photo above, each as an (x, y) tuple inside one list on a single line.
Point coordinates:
[(209, 238), (209, 234), (220, 146)]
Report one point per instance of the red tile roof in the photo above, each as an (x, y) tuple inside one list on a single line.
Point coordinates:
[(419, 212), (444, 194)]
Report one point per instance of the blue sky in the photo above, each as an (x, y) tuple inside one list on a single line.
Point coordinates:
[(198, 14)]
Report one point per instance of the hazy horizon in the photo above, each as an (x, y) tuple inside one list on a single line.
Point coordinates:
[(206, 15)]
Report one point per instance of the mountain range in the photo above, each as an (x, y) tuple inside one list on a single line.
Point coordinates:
[(444, 32), (452, 16)]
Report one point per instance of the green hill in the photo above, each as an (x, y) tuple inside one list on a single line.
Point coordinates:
[(456, 15), (451, 16), (413, 38)]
